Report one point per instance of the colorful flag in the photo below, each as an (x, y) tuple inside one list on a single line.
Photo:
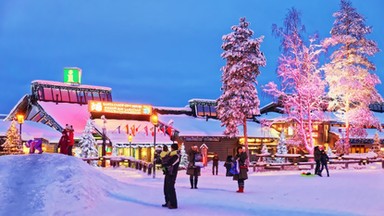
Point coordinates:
[(127, 128)]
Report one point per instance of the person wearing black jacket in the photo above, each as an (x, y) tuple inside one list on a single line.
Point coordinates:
[(324, 162), (317, 156), (172, 166)]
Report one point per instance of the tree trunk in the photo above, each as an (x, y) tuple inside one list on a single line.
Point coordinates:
[(246, 140)]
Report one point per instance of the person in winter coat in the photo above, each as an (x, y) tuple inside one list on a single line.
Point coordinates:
[(228, 164), (63, 142), (324, 162), (71, 140), (241, 158), (317, 156), (164, 157), (215, 164), (193, 170), (172, 166)]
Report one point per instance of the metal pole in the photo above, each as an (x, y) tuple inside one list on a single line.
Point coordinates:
[(21, 139), (154, 152), (103, 149)]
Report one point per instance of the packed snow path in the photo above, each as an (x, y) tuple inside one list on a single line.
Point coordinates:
[(53, 184)]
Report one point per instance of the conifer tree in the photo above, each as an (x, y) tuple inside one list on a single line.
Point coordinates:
[(87, 142), (281, 148), (349, 72), (376, 144), (183, 157), (239, 99), (12, 144)]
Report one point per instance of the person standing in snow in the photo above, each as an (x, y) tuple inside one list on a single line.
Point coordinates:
[(71, 140), (324, 162), (317, 156), (215, 164), (63, 143), (241, 158), (228, 164), (172, 166), (164, 157), (193, 170)]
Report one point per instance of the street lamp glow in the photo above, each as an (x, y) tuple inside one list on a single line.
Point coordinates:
[(154, 119), (20, 118)]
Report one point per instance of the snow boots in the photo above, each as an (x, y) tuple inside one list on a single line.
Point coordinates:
[(241, 189)]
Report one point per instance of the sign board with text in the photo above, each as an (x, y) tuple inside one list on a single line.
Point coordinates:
[(119, 108)]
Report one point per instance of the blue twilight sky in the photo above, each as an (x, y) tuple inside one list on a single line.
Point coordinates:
[(159, 52)]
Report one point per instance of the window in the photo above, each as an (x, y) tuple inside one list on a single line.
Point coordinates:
[(96, 96), (89, 96), (199, 110), (207, 111), (56, 95), (48, 94), (73, 96), (64, 95), (81, 98), (40, 93), (213, 111)]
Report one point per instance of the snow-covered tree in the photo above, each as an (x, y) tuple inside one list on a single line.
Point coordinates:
[(239, 99), (12, 144), (183, 157), (349, 72), (329, 152), (281, 148), (87, 142), (302, 88), (376, 147)]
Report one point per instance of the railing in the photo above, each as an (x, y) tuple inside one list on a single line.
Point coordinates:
[(128, 162), (299, 161)]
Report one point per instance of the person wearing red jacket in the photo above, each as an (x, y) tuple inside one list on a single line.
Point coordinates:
[(71, 140), (63, 143)]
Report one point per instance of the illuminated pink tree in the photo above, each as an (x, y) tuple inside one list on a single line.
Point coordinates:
[(302, 88), (348, 74), (239, 99)]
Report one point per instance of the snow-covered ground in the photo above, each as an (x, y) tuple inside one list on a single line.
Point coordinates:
[(53, 184)]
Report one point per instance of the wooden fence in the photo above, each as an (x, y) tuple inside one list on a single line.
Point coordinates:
[(128, 162), (306, 162)]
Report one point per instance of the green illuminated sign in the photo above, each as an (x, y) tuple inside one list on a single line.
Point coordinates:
[(72, 75)]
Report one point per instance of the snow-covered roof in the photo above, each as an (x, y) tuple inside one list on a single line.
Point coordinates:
[(272, 116), (340, 132), (14, 109), (186, 108), (195, 126), (70, 85), (117, 132), (201, 100), (31, 130), (66, 113)]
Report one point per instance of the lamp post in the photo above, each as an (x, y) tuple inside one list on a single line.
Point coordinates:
[(155, 122), (130, 147), (104, 140), (20, 120)]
